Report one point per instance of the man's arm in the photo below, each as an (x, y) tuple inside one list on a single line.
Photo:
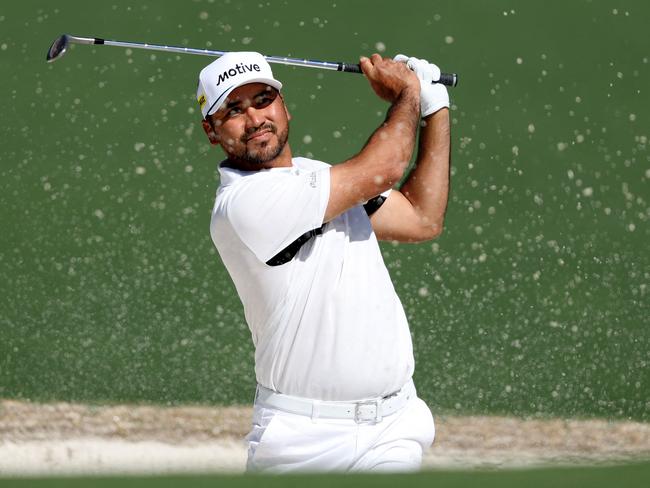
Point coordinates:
[(416, 212), (383, 160)]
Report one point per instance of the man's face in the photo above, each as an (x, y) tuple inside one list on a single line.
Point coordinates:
[(252, 125)]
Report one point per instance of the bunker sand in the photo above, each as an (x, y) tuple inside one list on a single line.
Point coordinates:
[(64, 438)]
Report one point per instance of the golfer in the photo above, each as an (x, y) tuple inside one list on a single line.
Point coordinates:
[(333, 352)]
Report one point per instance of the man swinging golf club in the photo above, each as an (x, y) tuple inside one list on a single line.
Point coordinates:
[(333, 352)]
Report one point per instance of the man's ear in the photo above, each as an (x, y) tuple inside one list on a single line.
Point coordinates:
[(286, 109), (209, 131)]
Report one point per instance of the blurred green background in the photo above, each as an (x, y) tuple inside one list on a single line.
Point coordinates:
[(534, 302)]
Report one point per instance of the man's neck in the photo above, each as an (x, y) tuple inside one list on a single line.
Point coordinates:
[(283, 160)]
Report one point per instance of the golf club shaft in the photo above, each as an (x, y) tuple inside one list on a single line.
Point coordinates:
[(449, 79)]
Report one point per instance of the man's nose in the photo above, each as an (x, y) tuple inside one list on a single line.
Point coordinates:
[(254, 117)]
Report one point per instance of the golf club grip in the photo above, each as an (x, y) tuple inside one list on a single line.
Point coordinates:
[(448, 79)]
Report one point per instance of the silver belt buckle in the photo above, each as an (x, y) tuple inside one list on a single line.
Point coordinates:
[(367, 412)]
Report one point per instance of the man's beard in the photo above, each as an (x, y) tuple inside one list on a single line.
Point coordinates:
[(266, 152)]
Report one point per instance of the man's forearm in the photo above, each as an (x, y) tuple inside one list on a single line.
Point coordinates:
[(427, 186), (390, 147), (382, 161)]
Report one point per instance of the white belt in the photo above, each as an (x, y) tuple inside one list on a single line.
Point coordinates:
[(368, 411)]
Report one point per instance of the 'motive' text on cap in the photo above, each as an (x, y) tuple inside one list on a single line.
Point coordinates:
[(218, 79)]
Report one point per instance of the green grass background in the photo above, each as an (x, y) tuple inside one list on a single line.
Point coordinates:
[(632, 475), (533, 302)]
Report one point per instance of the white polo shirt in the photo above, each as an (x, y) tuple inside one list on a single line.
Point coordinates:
[(328, 324)]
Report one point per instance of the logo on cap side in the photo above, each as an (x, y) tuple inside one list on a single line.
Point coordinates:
[(202, 100), (239, 69)]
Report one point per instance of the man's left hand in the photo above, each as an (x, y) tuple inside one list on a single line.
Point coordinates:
[(433, 96)]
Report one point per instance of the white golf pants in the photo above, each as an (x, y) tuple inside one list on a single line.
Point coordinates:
[(283, 442)]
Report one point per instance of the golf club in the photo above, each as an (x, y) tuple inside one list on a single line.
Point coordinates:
[(60, 46)]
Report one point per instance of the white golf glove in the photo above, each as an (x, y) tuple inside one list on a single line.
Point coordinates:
[(433, 96)]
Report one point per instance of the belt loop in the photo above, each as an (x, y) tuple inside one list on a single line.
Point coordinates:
[(315, 410)]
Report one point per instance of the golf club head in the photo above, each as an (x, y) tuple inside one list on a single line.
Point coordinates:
[(58, 48)]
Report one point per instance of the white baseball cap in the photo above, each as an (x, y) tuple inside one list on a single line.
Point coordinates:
[(218, 79)]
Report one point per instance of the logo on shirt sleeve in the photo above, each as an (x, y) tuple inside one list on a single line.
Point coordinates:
[(313, 179)]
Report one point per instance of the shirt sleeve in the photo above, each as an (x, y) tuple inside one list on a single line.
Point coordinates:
[(270, 210)]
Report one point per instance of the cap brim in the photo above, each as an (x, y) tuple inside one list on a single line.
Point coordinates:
[(219, 102)]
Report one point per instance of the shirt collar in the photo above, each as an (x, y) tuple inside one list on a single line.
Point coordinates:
[(231, 175)]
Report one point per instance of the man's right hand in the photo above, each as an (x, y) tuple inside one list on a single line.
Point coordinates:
[(389, 78)]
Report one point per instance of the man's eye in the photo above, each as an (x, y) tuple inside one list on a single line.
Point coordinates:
[(233, 111), (264, 101)]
